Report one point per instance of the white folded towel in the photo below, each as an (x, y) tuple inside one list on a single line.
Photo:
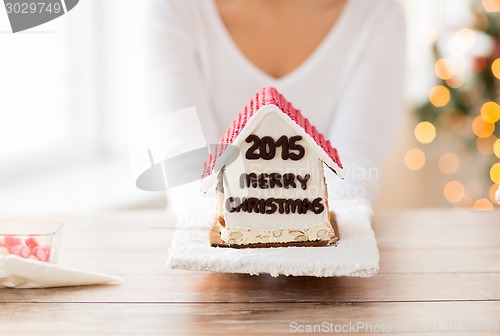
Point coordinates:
[(355, 254), (17, 272)]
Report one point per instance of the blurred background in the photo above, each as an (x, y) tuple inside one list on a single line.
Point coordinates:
[(72, 91)]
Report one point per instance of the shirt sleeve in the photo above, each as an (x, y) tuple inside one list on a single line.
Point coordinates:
[(175, 79), (174, 76), (370, 109)]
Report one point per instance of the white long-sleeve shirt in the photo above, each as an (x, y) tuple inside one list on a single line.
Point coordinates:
[(350, 87)]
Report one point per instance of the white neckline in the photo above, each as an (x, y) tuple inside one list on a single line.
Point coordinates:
[(248, 65)]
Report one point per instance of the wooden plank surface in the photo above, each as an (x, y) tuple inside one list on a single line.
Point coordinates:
[(249, 319), (438, 268), (235, 288), (438, 229)]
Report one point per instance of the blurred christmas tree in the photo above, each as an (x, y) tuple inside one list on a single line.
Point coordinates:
[(466, 103)]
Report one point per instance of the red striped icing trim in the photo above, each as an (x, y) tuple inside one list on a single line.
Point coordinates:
[(267, 96)]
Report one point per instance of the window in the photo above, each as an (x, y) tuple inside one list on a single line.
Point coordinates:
[(70, 92)]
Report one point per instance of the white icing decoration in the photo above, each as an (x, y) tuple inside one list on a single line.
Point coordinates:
[(244, 227), (255, 120), (248, 236)]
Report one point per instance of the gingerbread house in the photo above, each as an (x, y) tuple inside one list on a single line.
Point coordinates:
[(271, 189)]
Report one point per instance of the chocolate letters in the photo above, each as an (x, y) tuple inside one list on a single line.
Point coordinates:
[(266, 148)]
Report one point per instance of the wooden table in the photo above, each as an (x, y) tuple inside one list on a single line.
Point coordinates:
[(440, 272)]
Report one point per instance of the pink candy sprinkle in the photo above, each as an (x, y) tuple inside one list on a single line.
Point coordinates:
[(30, 248), (42, 253), (10, 241), (21, 250), (31, 243)]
